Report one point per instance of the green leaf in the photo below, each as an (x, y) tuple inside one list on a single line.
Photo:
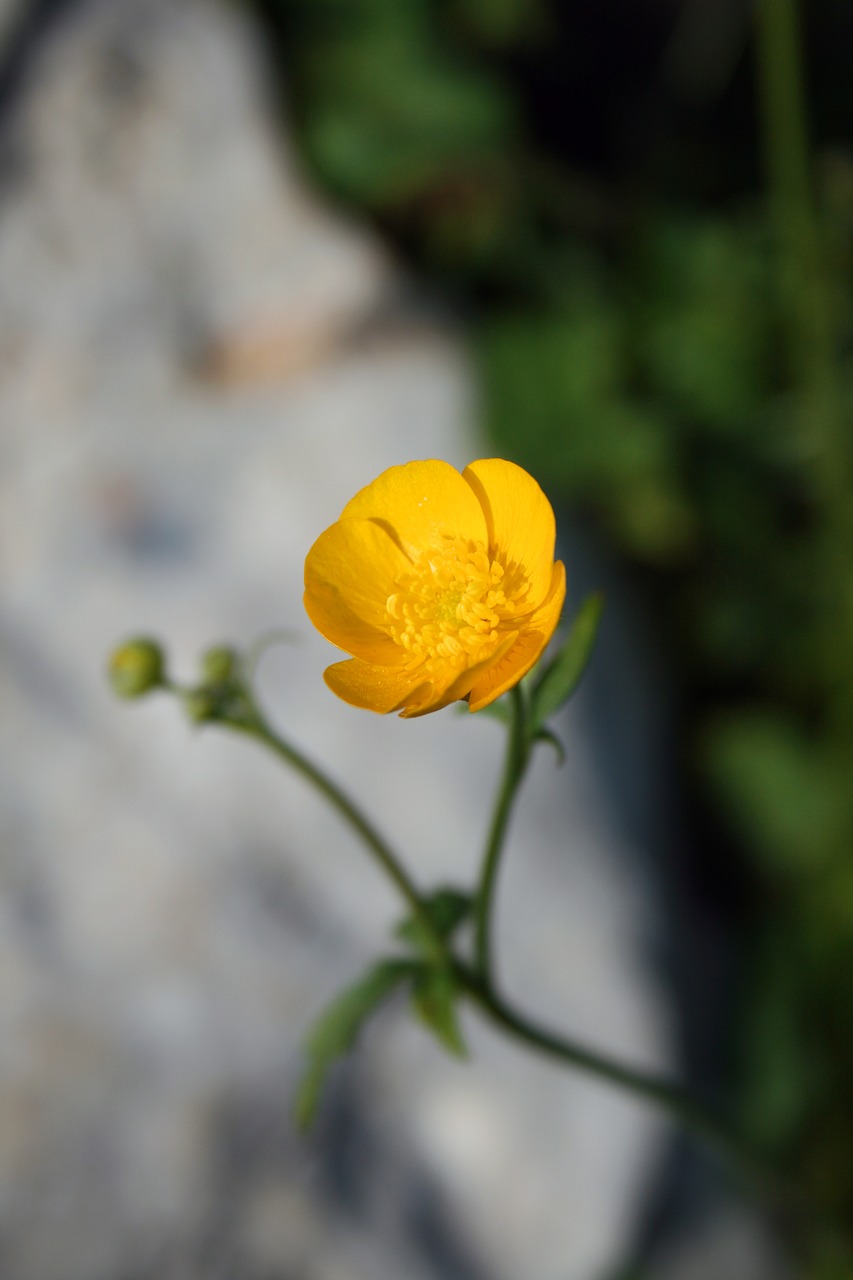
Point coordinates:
[(703, 328), (560, 679), (785, 791), (434, 997), (336, 1030), (547, 735), (447, 908)]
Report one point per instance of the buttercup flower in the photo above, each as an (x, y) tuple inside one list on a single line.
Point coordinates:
[(441, 585)]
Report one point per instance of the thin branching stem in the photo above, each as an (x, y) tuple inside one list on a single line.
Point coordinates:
[(477, 982), (256, 727)]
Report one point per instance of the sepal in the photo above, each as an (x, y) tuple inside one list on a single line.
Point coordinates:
[(562, 676)]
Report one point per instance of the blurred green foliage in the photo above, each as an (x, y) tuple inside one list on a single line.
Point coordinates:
[(631, 346)]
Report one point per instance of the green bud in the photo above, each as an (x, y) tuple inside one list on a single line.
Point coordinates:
[(201, 705), (136, 668), (219, 665)]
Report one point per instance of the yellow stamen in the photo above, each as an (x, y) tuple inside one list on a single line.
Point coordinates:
[(455, 603)]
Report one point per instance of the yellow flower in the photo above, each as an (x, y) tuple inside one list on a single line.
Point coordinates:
[(442, 586)]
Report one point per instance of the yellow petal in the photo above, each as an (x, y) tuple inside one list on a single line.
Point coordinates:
[(527, 649), (461, 685), (520, 518), (547, 615), (350, 571), (376, 688), (419, 503)]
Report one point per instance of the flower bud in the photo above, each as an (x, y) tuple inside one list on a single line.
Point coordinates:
[(219, 665), (136, 668)]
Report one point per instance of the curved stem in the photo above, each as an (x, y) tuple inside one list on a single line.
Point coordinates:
[(255, 726), (670, 1097), (516, 762)]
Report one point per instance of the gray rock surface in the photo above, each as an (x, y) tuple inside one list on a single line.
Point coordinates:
[(10, 15), (200, 364)]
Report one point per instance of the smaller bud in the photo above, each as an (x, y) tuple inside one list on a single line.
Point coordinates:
[(136, 668), (219, 665)]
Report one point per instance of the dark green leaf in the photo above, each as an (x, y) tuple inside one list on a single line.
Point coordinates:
[(447, 908), (335, 1031), (434, 996), (560, 679)]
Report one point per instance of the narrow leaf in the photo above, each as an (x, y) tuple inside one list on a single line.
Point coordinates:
[(562, 676), (308, 1093), (336, 1030), (434, 996)]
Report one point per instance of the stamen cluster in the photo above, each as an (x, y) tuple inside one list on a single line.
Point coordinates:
[(453, 604)]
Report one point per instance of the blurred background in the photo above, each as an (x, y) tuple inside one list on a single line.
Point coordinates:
[(252, 253)]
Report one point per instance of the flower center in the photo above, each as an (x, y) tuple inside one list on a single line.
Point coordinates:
[(454, 604)]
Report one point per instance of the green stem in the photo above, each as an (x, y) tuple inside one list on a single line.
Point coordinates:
[(517, 755), (803, 282), (255, 726), (680, 1105), (809, 311)]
